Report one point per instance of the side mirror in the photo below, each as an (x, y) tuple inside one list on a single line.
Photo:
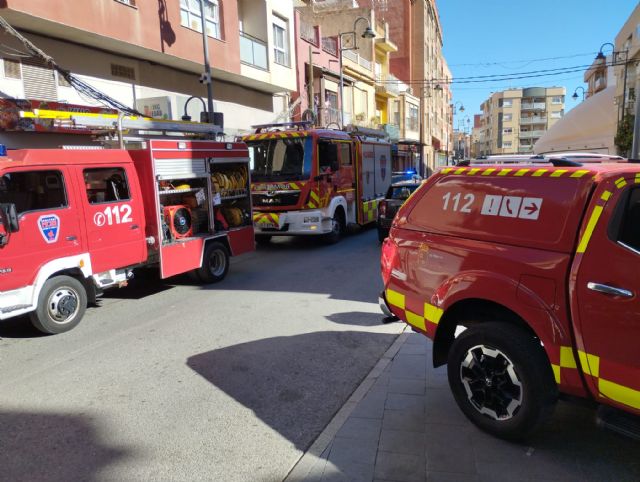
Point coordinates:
[(10, 217)]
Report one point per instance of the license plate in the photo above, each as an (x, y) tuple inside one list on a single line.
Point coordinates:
[(265, 225)]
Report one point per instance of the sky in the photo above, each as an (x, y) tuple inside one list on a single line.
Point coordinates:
[(488, 37)]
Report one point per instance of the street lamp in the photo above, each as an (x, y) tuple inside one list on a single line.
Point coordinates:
[(615, 56), (575, 93), (206, 77), (368, 34)]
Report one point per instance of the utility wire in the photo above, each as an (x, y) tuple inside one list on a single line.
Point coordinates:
[(499, 77), (523, 61), (81, 86)]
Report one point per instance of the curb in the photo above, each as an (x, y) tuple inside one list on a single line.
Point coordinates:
[(306, 463)]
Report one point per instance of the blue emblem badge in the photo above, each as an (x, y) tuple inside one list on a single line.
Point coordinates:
[(49, 227)]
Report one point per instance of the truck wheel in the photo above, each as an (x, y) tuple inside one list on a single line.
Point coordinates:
[(61, 305), (263, 239), (501, 379), (215, 263), (337, 227)]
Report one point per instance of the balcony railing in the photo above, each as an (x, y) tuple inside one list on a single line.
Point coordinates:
[(309, 33), (531, 134), (533, 120), (330, 45), (356, 59), (253, 51), (533, 106)]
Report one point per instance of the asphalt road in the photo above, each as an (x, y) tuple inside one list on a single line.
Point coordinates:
[(172, 381)]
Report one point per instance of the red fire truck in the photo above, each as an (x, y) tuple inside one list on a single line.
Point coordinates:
[(316, 181), (78, 220), (525, 278)]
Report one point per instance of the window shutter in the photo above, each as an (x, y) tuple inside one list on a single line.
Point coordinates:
[(39, 80)]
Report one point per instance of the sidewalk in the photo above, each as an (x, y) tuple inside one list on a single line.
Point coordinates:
[(402, 424)]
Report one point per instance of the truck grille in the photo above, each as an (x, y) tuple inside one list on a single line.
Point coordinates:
[(277, 199)]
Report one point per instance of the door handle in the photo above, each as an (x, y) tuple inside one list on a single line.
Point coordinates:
[(71, 238), (609, 290), (134, 226)]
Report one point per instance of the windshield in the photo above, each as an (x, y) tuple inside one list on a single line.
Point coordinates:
[(281, 159), (401, 192)]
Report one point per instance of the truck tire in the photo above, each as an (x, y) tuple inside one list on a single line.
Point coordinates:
[(61, 305), (337, 227), (501, 379), (215, 263)]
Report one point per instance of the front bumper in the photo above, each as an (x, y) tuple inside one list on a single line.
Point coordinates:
[(292, 223)]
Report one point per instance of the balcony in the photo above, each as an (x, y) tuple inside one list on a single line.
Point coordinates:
[(253, 51), (387, 85), (330, 45), (533, 106), (356, 59), (309, 33), (531, 134), (533, 120), (393, 131)]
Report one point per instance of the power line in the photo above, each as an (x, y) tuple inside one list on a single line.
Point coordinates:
[(500, 77), (530, 61)]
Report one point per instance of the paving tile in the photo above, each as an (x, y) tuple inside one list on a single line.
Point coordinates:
[(409, 386), (407, 403), (409, 366), (400, 420), (352, 472), (501, 471), (449, 449), (360, 429), (400, 467), (402, 442), (371, 406), (413, 349), (346, 450), (440, 407), (450, 477)]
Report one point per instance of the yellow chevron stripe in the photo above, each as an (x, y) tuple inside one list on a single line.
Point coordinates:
[(591, 225), (521, 172), (559, 173), (396, 299)]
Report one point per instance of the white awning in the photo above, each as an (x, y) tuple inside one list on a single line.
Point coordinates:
[(588, 127)]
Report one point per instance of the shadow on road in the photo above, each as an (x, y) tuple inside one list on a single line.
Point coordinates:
[(294, 384), (358, 318), (52, 446)]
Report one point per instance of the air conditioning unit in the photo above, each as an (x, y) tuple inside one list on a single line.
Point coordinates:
[(179, 221)]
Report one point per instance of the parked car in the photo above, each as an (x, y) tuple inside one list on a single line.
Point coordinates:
[(526, 279), (396, 195)]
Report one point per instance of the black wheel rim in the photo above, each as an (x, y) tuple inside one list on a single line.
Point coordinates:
[(491, 382)]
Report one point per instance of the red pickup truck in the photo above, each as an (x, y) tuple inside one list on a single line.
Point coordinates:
[(526, 279)]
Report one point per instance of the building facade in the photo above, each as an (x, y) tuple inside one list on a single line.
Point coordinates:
[(149, 55), (513, 120)]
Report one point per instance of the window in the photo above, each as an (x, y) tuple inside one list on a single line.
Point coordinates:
[(505, 103), (280, 41), (345, 153), (557, 114), (190, 16), (412, 117), (507, 130), (507, 144), (629, 233), (106, 185), (507, 117), (327, 155), (12, 69), (33, 190), (558, 99)]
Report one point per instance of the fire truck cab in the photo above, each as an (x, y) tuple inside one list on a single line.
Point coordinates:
[(76, 221), (316, 181)]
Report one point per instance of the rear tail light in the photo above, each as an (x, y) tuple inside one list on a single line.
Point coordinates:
[(389, 259), (382, 208)]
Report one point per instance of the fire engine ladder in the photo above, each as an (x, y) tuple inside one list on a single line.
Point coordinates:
[(124, 126)]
